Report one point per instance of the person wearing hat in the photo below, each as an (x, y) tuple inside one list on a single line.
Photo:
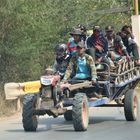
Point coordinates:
[(82, 65), (83, 29), (116, 46), (98, 46), (74, 40)]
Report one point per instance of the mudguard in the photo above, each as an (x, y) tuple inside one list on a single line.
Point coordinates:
[(15, 90)]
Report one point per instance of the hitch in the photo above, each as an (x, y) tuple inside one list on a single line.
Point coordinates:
[(55, 112)]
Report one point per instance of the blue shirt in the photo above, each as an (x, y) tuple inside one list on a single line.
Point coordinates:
[(83, 71)]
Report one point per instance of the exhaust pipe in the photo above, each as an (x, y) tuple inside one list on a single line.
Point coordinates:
[(16, 90)]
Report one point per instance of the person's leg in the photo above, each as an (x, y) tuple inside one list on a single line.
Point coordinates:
[(115, 56), (135, 53), (91, 52), (74, 80), (106, 60), (111, 62)]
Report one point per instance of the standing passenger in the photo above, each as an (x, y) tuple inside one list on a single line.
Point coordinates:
[(82, 65)]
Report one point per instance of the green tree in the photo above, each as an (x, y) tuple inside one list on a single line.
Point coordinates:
[(30, 29)]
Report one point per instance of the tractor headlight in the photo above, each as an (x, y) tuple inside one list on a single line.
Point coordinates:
[(45, 81)]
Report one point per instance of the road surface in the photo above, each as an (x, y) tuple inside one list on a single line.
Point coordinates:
[(105, 124)]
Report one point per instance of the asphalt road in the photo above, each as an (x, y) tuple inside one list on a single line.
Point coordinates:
[(105, 124)]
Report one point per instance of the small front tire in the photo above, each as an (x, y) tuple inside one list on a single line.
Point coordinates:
[(30, 121), (80, 112)]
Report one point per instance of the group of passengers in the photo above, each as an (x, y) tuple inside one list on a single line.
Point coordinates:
[(77, 59)]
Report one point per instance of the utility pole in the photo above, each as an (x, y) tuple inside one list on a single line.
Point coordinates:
[(136, 7), (139, 6)]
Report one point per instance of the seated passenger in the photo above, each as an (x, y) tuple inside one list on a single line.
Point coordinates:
[(128, 40), (116, 46), (83, 66), (72, 43), (62, 59), (98, 46)]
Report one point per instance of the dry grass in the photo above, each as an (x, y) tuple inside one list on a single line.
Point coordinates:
[(7, 108)]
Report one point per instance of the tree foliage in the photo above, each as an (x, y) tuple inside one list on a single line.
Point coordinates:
[(29, 29)]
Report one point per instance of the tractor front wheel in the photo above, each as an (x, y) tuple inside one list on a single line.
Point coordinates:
[(80, 113), (30, 121)]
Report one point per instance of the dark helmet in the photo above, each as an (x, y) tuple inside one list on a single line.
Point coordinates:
[(61, 52)]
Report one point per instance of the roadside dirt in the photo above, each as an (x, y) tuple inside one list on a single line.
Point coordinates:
[(12, 116)]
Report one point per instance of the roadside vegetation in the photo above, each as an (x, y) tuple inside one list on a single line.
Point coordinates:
[(30, 29)]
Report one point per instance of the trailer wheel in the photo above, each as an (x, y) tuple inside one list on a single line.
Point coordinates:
[(131, 105), (30, 121), (80, 112)]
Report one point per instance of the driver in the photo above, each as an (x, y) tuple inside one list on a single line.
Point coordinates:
[(62, 59), (82, 65)]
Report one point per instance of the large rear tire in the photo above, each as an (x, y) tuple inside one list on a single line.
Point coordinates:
[(131, 105), (80, 113), (30, 121)]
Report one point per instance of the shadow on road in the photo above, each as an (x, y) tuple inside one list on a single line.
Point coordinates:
[(59, 124), (99, 119)]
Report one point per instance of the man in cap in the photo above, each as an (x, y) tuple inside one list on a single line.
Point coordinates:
[(74, 40), (115, 43), (83, 29), (82, 65)]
